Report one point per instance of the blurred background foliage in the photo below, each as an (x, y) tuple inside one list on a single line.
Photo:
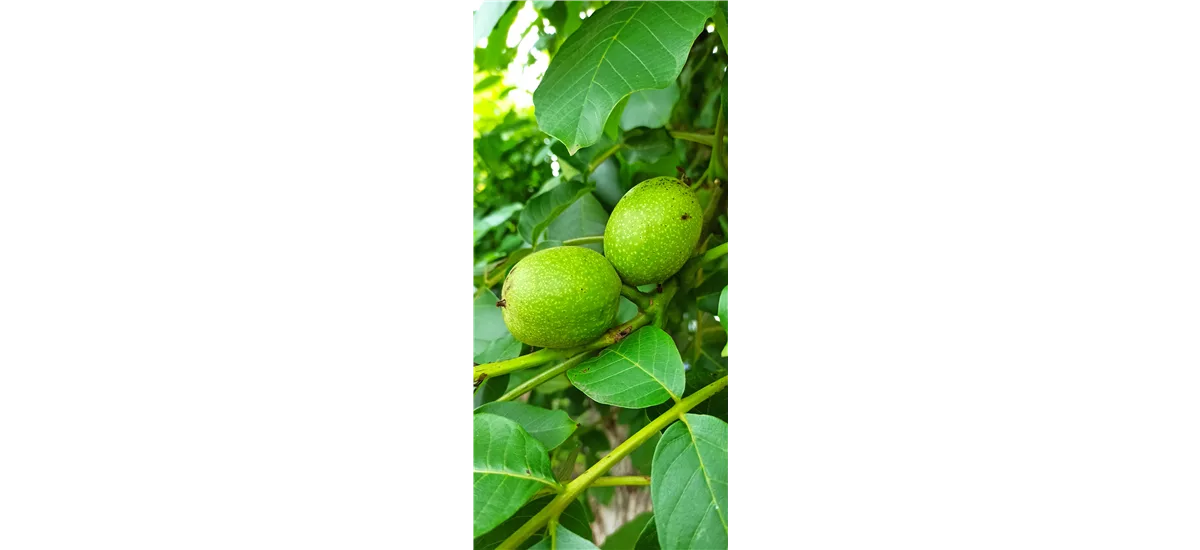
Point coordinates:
[(514, 162)]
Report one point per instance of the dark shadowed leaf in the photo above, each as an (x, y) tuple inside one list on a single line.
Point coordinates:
[(586, 217), (575, 517), (648, 539), (650, 108), (626, 536), (644, 145), (543, 208), (609, 185), (612, 128), (491, 389)]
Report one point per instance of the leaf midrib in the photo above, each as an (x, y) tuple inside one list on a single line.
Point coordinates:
[(704, 471), (643, 369), (510, 474)]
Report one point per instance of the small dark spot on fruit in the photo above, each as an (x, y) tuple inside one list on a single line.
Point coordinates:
[(685, 217)]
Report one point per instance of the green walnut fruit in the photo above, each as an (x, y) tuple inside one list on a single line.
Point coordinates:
[(560, 297), (653, 230)]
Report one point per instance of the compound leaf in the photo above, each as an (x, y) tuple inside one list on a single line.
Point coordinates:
[(584, 218), (642, 370), (575, 517), (549, 427), (510, 466), (689, 486), (544, 207)]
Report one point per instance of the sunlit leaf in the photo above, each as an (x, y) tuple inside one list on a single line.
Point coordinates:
[(622, 48), (510, 466), (642, 370), (549, 427), (494, 219), (486, 17), (689, 484)]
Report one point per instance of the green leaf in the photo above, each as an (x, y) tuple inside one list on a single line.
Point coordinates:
[(493, 341), (553, 385), (496, 218), (643, 145), (642, 370), (572, 21), (650, 108), (565, 540), (723, 309), (510, 466), (643, 456), (506, 347), (497, 55), (607, 178), (575, 517), (626, 311), (648, 539), (627, 535), (550, 428), (486, 18), (721, 22), (622, 48), (488, 82), (584, 218), (689, 485), (491, 389), (604, 495), (612, 128), (577, 162), (543, 208)]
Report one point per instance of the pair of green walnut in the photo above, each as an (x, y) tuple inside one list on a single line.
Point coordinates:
[(567, 296)]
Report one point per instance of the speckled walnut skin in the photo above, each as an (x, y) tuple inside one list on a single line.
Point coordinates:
[(653, 230), (561, 297)]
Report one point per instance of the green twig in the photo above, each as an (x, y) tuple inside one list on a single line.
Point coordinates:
[(543, 377), (695, 137), (544, 356), (716, 252), (606, 463), (642, 301), (717, 163), (599, 159), (619, 481)]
